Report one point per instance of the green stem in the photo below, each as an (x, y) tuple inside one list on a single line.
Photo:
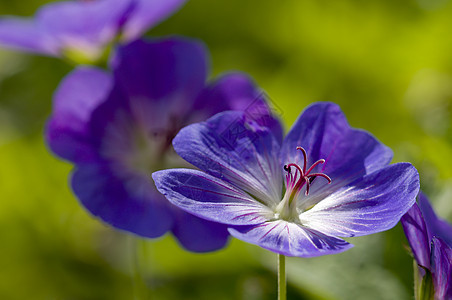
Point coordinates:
[(140, 290), (281, 277), (417, 280)]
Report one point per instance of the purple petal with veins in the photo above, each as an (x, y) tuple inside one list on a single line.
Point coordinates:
[(429, 239), (206, 196), (416, 233), (290, 239), (441, 268)]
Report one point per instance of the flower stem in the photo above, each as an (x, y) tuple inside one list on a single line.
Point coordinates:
[(281, 277), (140, 289)]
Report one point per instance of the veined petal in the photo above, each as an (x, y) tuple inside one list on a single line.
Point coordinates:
[(322, 130), (237, 91), (85, 26), (196, 234), (435, 226), (441, 268), (232, 147), (416, 233), (25, 35), (125, 201), (79, 94), (210, 198), (168, 73), (148, 13), (290, 239), (374, 203)]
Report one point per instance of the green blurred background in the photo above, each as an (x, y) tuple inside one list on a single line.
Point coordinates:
[(387, 63)]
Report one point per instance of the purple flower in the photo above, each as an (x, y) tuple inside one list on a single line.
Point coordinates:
[(430, 239), (81, 30), (117, 129), (296, 197)]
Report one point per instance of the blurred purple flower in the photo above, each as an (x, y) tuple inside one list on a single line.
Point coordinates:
[(117, 128), (81, 30), (337, 181), (430, 239)]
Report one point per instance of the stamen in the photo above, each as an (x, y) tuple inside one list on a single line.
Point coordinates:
[(320, 161), (294, 178), (307, 187), (321, 175), (298, 168), (305, 156), (295, 182)]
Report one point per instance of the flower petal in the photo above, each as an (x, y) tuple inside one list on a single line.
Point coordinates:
[(371, 204), (129, 137), (290, 239), (435, 225), (155, 85), (322, 130), (125, 201), (196, 234), (237, 91), (416, 233), (232, 147), (86, 26), (209, 198), (78, 95), (25, 35), (169, 73), (148, 13), (442, 268)]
